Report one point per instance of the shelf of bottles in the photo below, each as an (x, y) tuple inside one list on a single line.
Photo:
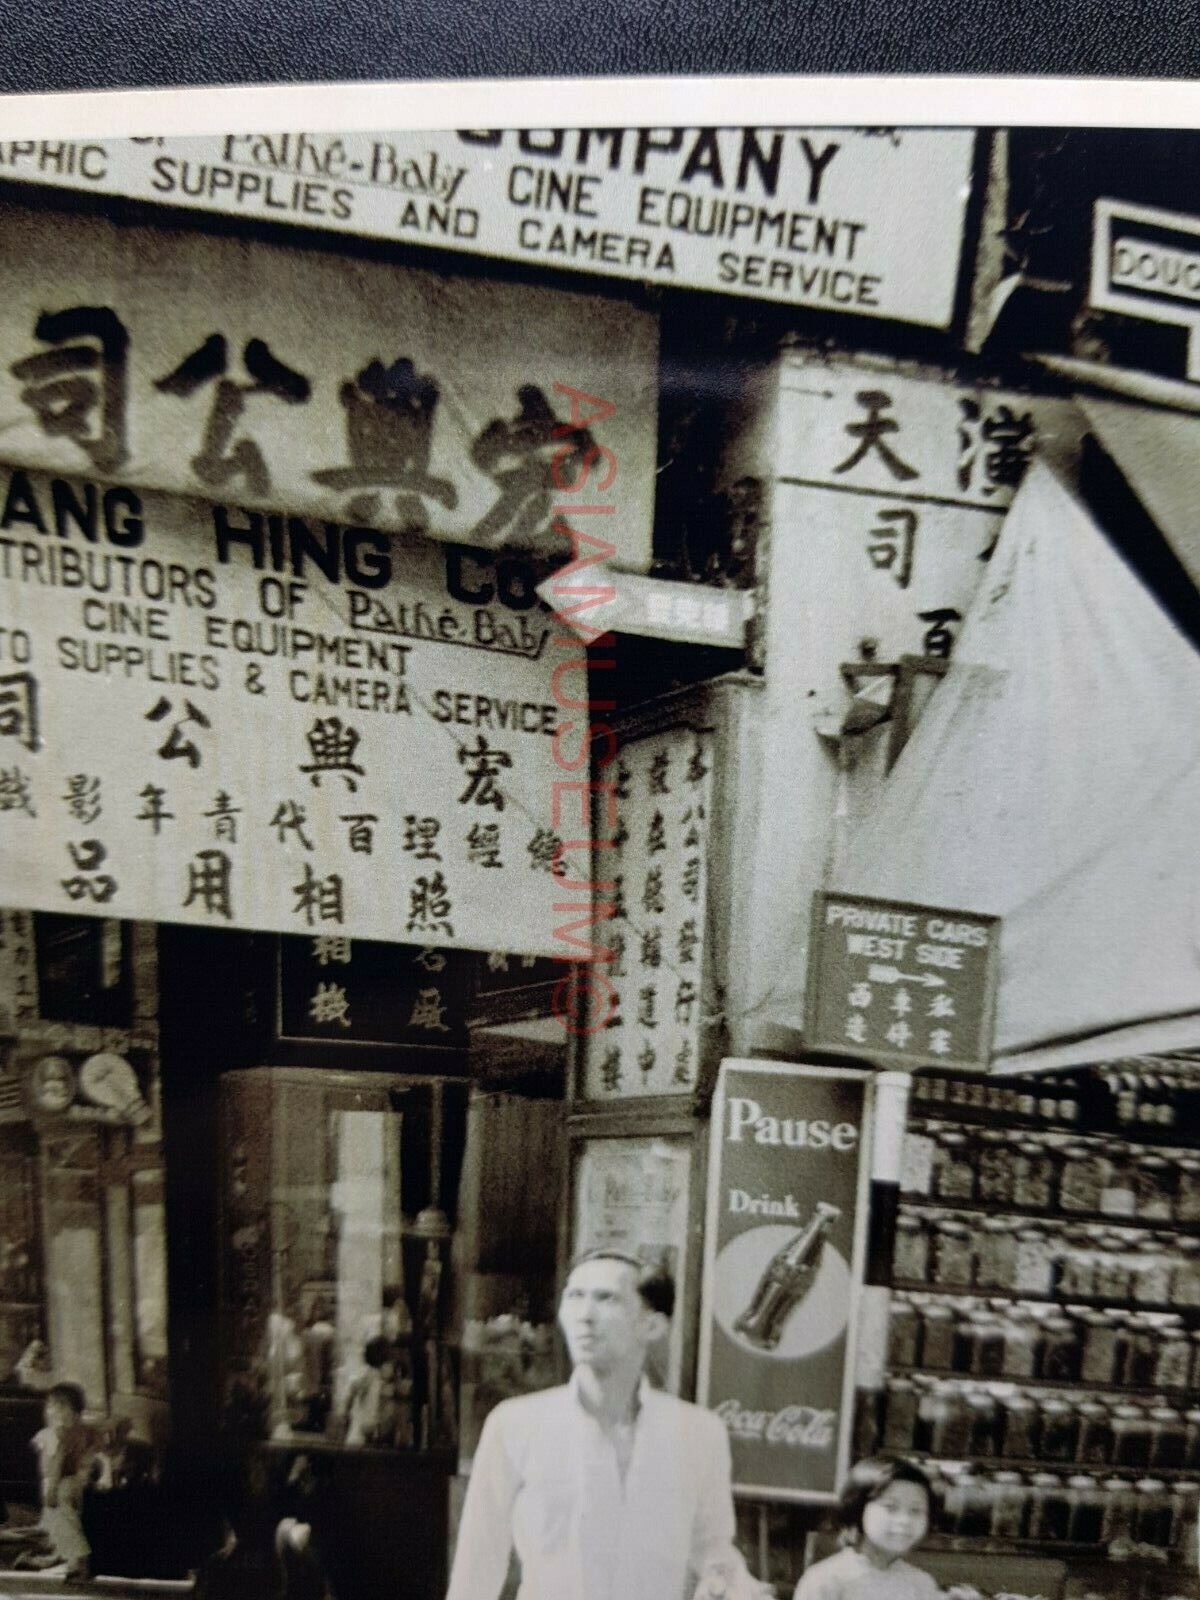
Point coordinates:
[(1044, 1343)]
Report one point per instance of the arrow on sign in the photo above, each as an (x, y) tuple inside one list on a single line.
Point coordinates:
[(879, 974)]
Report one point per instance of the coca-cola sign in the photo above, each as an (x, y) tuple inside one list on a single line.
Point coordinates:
[(784, 1247), (797, 1427)]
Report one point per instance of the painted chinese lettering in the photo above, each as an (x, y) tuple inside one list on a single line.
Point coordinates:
[(1000, 442), (872, 434), (154, 808), (647, 1007), (683, 1074), (420, 837), (209, 883), (686, 998), (694, 817), (82, 797), (16, 792), (429, 908), (892, 543), (483, 845), (360, 834), (428, 1011), (660, 768), (177, 744), (688, 941), (647, 1057), (319, 899), (331, 949), (224, 815), (430, 960), (290, 818), (77, 390), (690, 882), (390, 414), (653, 893), (523, 457), (330, 1003), (483, 766), (697, 767), (545, 853), (217, 464), (939, 638), (332, 744), (611, 1076), (656, 837), (651, 947), (88, 882), (19, 709)]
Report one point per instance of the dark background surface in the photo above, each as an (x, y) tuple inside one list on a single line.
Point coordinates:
[(93, 44)]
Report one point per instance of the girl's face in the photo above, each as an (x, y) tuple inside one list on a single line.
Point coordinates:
[(897, 1520)]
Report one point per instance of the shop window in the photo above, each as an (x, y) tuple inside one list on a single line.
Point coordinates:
[(338, 1217), (84, 971), (149, 1282), (20, 1250)]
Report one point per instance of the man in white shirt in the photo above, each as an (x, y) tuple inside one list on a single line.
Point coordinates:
[(606, 1488)]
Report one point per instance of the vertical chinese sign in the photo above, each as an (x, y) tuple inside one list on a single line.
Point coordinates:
[(18, 999), (650, 1042), (784, 1253)]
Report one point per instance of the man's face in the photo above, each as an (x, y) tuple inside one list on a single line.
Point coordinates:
[(603, 1318)]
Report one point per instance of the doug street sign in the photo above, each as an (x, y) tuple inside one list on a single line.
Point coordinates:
[(1146, 263)]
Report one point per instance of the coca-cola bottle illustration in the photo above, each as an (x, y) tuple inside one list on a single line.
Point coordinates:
[(785, 1280)]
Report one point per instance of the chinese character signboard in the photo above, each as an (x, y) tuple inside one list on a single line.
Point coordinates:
[(817, 218), (1146, 263), (904, 985), (357, 992), (18, 969), (350, 750), (784, 1248), (510, 987), (900, 484), (359, 392), (650, 1042)]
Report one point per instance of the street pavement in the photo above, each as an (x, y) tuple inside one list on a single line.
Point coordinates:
[(33, 1586)]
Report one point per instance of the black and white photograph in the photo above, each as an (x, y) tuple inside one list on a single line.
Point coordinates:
[(599, 784)]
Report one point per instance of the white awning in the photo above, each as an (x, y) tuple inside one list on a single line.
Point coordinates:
[(1158, 453), (1054, 780)]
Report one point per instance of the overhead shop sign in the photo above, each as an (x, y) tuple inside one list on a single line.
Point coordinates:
[(869, 222), (1146, 263), (362, 393), (230, 718)]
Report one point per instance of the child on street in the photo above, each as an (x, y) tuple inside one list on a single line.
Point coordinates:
[(65, 1450), (885, 1513)]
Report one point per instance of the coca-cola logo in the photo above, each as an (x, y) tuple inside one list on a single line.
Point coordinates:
[(798, 1427)]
